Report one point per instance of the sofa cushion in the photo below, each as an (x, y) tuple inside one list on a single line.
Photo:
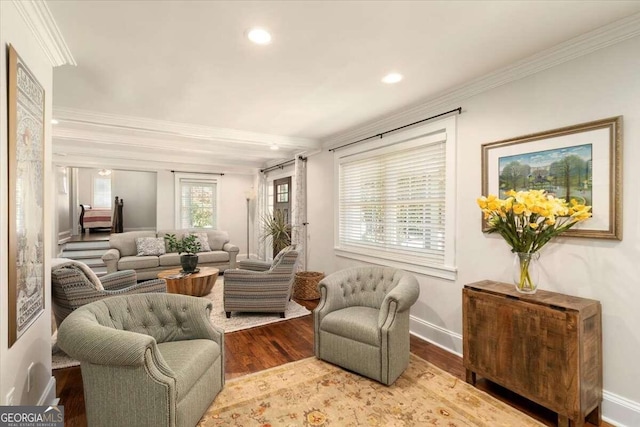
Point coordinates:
[(356, 323), (126, 242), (213, 256), (189, 360), (169, 260), (135, 262), (150, 246)]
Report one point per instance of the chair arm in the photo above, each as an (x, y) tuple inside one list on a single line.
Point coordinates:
[(110, 258), (399, 299), (331, 293), (230, 247), (249, 277), (82, 338), (254, 265), (119, 279)]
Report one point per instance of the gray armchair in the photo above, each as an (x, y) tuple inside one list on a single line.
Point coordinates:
[(73, 285), (253, 290), (362, 321), (146, 360)]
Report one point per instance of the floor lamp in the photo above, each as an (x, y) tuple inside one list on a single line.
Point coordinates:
[(249, 195)]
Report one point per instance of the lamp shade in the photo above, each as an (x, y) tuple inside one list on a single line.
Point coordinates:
[(250, 194)]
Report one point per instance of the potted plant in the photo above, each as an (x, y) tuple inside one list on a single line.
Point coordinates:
[(276, 228), (189, 246)]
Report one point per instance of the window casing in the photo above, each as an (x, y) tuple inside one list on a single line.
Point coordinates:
[(196, 202), (396, 200)]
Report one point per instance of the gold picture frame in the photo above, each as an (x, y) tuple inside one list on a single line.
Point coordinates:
[(26, 197), (583, 161)]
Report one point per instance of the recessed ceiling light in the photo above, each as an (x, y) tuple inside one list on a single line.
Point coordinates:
[(275, 147), (392, 78), (54, 122), (259, 36)]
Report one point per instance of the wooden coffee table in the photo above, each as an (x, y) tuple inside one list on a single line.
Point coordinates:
[(195, 284)]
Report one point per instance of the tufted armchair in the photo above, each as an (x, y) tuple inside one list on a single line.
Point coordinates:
[(362, 321), (146, 360), (260, 286), (74, 284)]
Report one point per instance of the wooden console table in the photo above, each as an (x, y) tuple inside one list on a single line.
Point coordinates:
[(546, 347)]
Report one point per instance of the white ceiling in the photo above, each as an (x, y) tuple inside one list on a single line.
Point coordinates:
[(179, 78)]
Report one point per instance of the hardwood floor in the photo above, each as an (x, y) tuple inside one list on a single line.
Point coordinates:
[(265, 347)]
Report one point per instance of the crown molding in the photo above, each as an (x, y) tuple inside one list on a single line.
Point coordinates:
[(40, 21), (585, 44), (114, 123)]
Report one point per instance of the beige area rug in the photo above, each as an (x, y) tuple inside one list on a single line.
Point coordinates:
[(311, 392), (237, 322)]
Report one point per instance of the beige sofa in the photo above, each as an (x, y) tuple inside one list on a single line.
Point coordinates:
[(123, 253)]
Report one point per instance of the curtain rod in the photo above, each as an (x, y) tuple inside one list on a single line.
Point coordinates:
[(282, 165), (459, 110), (200, 173)]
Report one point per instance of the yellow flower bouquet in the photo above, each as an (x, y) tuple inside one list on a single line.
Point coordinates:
[(528, 220)]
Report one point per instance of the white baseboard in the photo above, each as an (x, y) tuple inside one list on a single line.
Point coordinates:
[(437, 335), (48, 397), (616, 410), (64, 237), (620, 411)]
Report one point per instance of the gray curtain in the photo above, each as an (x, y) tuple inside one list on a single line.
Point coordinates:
[(299, 228)]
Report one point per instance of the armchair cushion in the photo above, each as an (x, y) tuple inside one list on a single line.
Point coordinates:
[(356, 323), (179, 354)]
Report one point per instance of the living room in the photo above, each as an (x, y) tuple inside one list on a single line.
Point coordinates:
[(575, 78)]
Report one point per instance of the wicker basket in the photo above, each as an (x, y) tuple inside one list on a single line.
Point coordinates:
[(305, 286)]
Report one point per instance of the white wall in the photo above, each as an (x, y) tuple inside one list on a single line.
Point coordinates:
[(603, 84), (34, 346), (232, 205)]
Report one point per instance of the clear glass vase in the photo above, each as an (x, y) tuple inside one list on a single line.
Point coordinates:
[(526, 272)]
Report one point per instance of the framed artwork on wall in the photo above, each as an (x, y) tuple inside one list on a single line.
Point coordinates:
[(582, 162), (26, 197)]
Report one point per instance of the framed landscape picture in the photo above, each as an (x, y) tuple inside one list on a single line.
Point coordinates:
[(26, 197), (581, 162)]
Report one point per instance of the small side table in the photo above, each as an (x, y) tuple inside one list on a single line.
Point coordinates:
[(195, 284)]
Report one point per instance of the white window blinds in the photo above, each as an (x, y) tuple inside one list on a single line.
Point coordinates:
[(198, 203), (396, 202)]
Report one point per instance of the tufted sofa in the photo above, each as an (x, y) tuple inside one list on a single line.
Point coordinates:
[(146, 359), (362, 321), (122, 254)]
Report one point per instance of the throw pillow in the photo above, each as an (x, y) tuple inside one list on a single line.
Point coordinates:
[(204, 241), (150, 246)]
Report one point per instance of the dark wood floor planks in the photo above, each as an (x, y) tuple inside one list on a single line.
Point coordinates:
[(265, 347)]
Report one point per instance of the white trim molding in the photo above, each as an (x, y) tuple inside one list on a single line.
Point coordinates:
[(585, 44), (40, 21), (436, 335), (620, 411)]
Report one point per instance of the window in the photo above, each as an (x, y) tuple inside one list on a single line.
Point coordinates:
[(196, 202), (396, 200), (102, 192)]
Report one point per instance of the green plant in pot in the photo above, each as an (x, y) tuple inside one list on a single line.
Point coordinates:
[(189, 245), (276, 228)]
